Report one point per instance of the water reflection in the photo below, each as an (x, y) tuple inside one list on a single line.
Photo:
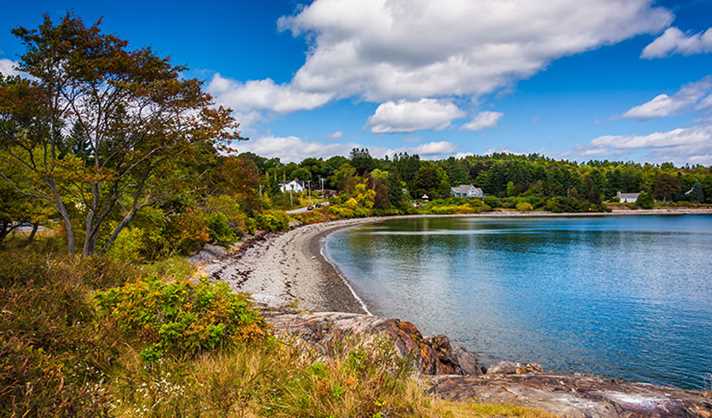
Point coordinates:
[(622, 296)]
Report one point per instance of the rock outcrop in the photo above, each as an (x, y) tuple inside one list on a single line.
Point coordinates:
[(455, 373), (432, 355), (576, 395)]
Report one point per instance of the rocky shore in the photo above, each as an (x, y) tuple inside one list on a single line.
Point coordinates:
[(304, 295)]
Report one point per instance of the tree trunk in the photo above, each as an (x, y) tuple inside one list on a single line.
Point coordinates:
[(89, 235), (33, 233), (66, 220), (118, 229)]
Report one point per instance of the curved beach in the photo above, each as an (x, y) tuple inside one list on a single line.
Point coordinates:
[(291, 269)]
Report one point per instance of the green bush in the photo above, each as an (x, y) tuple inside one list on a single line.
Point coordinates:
[(128, 245), (272, 221), (172, 267), (645, 201), (220, 230), (341, 212), (492, 201), (180, 317), (524, 207)]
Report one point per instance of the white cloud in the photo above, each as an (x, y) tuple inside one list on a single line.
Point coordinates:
[(292, 148), (411, 116), (8, 67), (263, 95), (433, 148), (295, 149), (483, 120), (681, 145), (336, 135), (674, 41), (663, 105), (393, 49)]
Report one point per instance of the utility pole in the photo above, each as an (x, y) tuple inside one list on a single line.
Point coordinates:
[(309, 191)]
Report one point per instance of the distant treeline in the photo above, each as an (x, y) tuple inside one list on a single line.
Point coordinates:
[(502, 175)]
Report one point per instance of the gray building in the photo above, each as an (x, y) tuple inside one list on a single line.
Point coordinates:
[(627, 197), (466, 190)]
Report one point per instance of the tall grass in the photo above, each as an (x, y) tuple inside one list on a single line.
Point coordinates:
[(74, 334)]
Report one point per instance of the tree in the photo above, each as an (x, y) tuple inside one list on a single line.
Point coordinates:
[(432, 180), (666, 186), (344, 178), (645, 201), (238, 176), (696, 193), (131, 109), (362, 161)]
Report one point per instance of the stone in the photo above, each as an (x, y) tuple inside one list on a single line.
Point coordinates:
[(509, 367), (575, 395), (432, 355)]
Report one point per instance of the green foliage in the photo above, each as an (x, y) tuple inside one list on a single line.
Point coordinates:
[(220, 230), (53, 353), (645, 201), (171, 267), (432, 180), (180, 317), (128, 245), (524, 207), (272, 221)]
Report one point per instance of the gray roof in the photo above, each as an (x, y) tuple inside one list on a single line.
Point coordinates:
[(466, 188), (628, 195)]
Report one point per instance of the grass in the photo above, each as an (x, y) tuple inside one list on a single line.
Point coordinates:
[(75, 334)]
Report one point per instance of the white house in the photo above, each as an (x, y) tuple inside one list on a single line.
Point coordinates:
[(627, 197), (466, 190), (293, 186)]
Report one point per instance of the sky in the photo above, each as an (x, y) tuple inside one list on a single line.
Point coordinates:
[(599, 79)]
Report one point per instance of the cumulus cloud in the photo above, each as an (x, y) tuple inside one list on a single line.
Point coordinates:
[(393, 49), (411, 116), (675, 41), (694, 94), (295, 149), (263, 95), (432, 148), (8, 67), (336, 135), (292, 148), (483, 120), (681, 145)]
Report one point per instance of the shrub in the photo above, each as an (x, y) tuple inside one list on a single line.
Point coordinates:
[(190, 231), (524, 207), (128, 245), (220, 230), (341, 212), (492, 201), (272, 221), (180, 317), (645, 201), (172, 267), (53, 355)]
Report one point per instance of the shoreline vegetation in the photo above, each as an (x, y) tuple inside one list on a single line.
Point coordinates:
[(116, 167)]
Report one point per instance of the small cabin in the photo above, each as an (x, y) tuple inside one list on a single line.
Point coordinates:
[(293, 186), (467, 190), (627, 197)]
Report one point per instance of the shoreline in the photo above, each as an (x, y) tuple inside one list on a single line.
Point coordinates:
[(292, 268)]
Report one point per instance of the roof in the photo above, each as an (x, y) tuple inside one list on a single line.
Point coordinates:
[(628, 195), (466, 188)]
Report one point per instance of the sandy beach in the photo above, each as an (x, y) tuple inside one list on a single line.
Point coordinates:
[(290, 268)]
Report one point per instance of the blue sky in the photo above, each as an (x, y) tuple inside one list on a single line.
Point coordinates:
[(568, 79)]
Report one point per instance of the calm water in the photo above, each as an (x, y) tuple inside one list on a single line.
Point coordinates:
[(626, 297)]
